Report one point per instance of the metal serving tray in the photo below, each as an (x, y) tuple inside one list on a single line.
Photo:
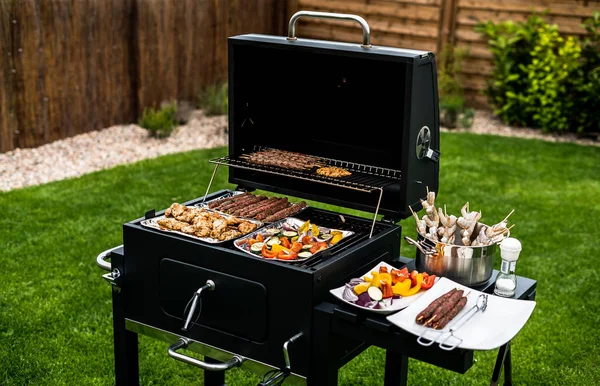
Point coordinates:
[(153, 223), (242, 242), (205, 205)]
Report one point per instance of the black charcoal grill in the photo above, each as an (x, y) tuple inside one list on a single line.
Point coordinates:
[(325, 99)]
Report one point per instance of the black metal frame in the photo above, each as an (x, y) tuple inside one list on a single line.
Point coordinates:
[(335, 330)]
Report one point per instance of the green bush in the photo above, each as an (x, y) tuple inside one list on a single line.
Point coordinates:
[(214, 100), (540, 78), (159, 123), (451, 91)]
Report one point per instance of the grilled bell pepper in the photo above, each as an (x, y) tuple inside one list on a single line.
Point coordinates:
[(268, 254), (283, 255), (285, 242), (296, 247), (401, 288), (428, 283)]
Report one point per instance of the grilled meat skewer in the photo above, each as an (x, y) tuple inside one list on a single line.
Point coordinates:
[(429, 310), (287, 212), (224, 201), (451, 314), (443, 308)]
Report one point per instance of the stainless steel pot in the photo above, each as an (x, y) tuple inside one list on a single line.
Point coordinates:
[(466, 265)]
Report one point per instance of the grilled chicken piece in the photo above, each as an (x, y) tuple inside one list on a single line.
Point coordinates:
[(202, 231), (175, 210), (218, 227), (229, 234), (189, 229), (246, 227), (171, 223)]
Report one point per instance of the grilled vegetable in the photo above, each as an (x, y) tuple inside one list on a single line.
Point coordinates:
[(272, 231), (304, 255), (273, 240), (257, 247), (290, 234), (375, 293)]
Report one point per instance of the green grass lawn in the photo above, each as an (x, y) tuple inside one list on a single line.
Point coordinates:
[(55, 310)]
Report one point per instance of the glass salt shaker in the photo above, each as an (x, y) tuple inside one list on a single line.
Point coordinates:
[(506, 281)]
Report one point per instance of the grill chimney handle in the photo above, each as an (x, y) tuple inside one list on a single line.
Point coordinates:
[(236, 361), (330, 15)]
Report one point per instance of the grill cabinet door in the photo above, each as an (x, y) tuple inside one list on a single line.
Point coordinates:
[(236, 306)]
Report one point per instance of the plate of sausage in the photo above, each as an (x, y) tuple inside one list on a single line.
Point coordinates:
[(449, 310)]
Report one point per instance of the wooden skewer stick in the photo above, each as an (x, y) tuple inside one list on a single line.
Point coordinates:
[(506, 218)]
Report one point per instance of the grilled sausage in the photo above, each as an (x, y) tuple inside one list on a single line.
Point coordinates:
[(443, 308), (287, 212), (217, 203), (250, 206), (428, 311), (284, 203), (451, 314), (244, 212), (226, 207), (256, 211), (242, 204)]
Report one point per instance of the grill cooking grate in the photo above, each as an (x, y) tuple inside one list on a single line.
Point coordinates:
[(364, 178)]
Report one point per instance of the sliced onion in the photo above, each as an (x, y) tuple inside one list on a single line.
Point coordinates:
[(349, 294), (385, 303), (356, 281), (289, 227), (371, 304)]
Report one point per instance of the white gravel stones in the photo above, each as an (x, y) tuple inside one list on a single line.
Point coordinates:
[(486, 123), (96, 150), (102, 149)]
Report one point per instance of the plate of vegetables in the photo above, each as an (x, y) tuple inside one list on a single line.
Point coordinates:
[(385, 289), (290, 240)]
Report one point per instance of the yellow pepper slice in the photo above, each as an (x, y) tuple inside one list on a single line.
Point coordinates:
[(304, 227), (401, 288)]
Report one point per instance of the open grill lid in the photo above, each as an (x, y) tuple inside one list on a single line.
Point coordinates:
[(370, 110)]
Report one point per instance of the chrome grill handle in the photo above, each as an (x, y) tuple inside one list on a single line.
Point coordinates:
[(101, 259), (210, 285), (330, 15), (182, 343)]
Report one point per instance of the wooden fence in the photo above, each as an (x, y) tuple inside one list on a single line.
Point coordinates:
[(432, 24), (73, 66)]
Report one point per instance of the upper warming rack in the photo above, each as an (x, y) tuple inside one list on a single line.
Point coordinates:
[(364, 178)]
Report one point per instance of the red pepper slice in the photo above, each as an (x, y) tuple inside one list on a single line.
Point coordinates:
[(296, 247), (428, 283), (260, 237), (287, 256), (268, 254), (285, 242)]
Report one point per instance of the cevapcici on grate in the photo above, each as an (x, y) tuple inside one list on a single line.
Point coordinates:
[(284, 159), (235, 204)]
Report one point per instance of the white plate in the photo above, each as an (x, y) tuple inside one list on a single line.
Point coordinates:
[(397, 304), (499, 323)]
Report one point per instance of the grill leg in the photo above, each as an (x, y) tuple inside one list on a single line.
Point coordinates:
[(507, 368), (323, 369), (213, 378), (503, 356), (396, 369), (125, 345)]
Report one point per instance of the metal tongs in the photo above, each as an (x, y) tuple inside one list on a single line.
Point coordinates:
[(422, 246), (450, 342)]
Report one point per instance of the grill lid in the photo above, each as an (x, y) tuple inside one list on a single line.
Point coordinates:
[(370, 110)]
